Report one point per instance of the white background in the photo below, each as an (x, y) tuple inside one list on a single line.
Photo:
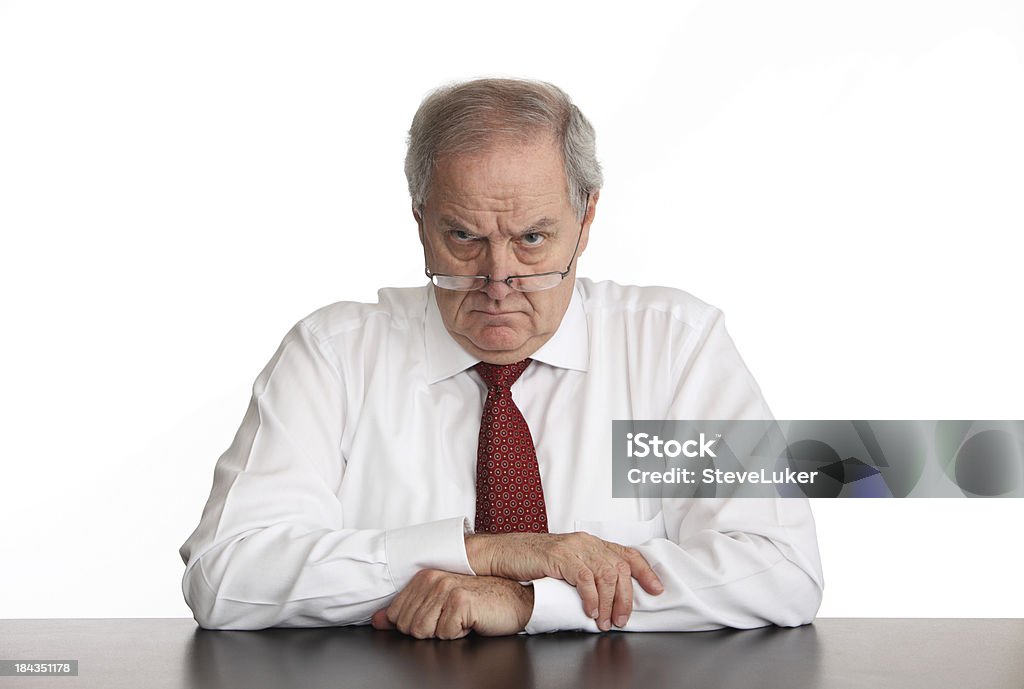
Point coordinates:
[(182, 181)]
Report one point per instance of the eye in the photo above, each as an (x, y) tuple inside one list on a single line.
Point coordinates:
[(533, 239), (461, 236)]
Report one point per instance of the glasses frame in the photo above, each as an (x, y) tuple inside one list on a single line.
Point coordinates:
[(487, 279)]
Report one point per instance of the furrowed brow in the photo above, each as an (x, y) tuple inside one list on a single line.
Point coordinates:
[(541, 224), (447, 222), (450, 223)]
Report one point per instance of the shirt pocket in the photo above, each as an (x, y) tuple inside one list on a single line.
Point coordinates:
[(625, 532)]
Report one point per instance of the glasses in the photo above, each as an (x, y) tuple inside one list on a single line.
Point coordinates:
[(535, 282)]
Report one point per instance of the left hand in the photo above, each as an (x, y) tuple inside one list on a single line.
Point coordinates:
[(443, 605), (602, 571)]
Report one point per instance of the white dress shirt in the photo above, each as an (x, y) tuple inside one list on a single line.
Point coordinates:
[(355, 467)]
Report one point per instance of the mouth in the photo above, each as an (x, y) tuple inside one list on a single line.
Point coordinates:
[(496, 313)]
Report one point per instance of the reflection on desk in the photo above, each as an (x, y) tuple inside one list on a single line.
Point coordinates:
[(876, 653), (314, 658)]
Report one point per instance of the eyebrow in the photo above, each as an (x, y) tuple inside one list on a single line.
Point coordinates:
[(451, 223), (540, 225)]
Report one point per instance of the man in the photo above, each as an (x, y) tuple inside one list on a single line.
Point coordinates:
[(439, 462)]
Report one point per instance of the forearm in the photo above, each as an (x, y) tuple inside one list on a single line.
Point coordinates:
[(287, 576), (728, 563), (478, 553), (506, 555), (738, 581)]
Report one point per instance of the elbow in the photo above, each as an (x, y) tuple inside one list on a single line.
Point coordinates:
[(798, 602), (212, 612), (207, 618), (201, 598)]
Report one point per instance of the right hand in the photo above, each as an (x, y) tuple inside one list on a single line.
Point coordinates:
[(445, 605), (601, 571)]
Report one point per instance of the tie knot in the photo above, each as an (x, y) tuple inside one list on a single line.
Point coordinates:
[(504, 375)]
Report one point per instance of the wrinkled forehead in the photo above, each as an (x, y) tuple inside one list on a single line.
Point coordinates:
[(506, 174)]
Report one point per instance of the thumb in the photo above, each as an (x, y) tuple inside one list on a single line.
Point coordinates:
[(380, 620)]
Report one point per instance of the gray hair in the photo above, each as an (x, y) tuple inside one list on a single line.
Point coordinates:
[(470, 116)]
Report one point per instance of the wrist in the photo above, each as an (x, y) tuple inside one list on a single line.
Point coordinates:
[(479, 553), (525, 609)]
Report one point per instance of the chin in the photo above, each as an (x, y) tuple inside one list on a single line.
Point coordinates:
[(496, 342)]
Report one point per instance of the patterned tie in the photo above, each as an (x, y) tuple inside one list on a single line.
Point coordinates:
[(509, 495)]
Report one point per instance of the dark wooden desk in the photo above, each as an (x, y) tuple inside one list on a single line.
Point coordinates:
[(875, 653)]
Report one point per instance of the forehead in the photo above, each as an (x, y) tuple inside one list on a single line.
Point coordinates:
[(507, 176)]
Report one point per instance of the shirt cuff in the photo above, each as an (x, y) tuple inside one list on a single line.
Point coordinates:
[(434, 545), (557, 607)]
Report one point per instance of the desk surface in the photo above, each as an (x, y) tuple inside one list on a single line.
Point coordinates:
[(875, 653)]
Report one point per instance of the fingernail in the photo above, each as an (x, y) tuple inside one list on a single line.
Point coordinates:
[(620, 621), (593, 614), (604, 625)]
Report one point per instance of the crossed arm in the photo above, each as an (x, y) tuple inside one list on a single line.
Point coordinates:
[(447, 605)]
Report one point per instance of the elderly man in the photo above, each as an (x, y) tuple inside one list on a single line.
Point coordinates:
[(439, 462)]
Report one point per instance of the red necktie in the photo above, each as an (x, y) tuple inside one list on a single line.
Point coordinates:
[(509, 495)]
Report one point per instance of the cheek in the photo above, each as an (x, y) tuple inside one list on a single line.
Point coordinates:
[(448, 303), (542, 304), (549, 307)]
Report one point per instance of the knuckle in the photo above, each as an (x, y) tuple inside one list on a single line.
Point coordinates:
[(427, 576), (441, 583), (623, 569), (579, 539), (607, 574)]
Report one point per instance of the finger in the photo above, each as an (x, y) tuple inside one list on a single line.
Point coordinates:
[(622, 608), (607, 577), (424, 621), (453, 622), (642, 571), (583, 579), (380, 620), (401, 610)]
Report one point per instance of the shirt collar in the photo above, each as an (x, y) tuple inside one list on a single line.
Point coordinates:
[(567, 348)]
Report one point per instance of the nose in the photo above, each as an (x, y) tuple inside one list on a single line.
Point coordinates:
[(497, 290), (501, 266)]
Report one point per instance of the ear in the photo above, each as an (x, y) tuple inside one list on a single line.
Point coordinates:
[(419, 222), (588, 218)]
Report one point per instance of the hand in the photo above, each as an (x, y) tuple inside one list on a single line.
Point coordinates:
[(443, 605), (601, 571)]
